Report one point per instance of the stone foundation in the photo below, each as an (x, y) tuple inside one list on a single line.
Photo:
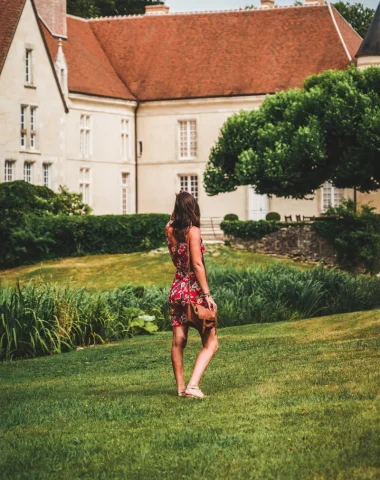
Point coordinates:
[(300, 242)]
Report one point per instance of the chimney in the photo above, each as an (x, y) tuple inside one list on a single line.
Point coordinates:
[(156, 9), (314, 2), (53, 14), (267, 3)]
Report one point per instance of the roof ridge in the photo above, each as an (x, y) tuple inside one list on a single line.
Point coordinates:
[(113, 66), (339, 32), (349, 24), (207, 12), (77, 18), (3, 60)]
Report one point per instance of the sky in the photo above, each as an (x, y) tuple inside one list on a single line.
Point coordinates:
[(197, 5)]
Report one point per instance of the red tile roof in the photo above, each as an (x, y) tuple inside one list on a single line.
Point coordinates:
[(89, 69), (351, 38), (10, 13), (225, 53)]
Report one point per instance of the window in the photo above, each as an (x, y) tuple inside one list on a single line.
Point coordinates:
[(23, 130), (331, 196), (190, 184), (46, 175), (28, 131), (85, 135), (85, 184), (187, 139), (28, 172), (28, 66), (9, 171), (124, 193), (33, 128), (125, 139)]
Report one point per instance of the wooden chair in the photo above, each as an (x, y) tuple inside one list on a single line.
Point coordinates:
[(298, 218), (288, 218)]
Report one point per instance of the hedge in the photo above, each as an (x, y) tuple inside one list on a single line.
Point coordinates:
[(41, 238), (250, 229)]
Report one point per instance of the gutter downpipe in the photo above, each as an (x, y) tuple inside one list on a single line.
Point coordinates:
[(136, 157)]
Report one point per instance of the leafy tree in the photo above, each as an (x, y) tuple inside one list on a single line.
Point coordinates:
[(298, 139), (134, 7), (94, 8), (357, 15), (83, 8)]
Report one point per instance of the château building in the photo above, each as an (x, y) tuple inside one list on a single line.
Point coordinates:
[(126, 109)]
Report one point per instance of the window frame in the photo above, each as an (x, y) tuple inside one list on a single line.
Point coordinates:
[(33, 135), (29, 164), (189, 155), (333, 191), (189, 177), (29, 80), (47, 167), (125, 188), (23, 127), (85, 182), (85, 132), (9, 163), (125, 139)]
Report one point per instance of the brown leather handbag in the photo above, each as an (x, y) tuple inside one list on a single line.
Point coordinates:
[(198, 316)]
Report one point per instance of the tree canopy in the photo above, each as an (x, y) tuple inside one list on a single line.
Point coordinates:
[(94, 8), (298, 139)]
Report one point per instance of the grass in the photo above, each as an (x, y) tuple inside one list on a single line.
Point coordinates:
[(290, 400), (103, 272)]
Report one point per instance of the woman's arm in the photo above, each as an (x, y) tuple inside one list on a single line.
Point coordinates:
[(196, 260)]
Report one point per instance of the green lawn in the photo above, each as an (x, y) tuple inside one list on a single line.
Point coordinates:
[(104, 272), (291, 400)]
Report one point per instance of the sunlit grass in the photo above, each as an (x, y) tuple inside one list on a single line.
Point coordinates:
[(103, 272), (290, 400)]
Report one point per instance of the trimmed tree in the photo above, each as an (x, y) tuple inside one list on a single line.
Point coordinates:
[(298, 139)]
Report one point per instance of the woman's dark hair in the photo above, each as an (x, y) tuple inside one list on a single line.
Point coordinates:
[(186, 213)]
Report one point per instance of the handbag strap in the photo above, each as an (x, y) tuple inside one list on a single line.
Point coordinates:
[(188, 261), (188, 264)]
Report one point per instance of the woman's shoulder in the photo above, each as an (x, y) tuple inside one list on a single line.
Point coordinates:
[(194, 232)]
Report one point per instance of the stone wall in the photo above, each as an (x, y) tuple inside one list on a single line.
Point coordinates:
[(300, 242)]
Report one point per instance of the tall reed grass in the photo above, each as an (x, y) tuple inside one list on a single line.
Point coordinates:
[(44, 319)]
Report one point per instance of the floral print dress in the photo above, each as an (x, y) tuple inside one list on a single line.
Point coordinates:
[(179, 292)]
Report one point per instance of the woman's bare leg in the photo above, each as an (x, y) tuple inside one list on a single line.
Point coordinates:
[(210, 346), (178, 345)]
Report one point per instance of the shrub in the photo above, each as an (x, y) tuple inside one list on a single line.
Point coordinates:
[(249, 229), (230, 217), (65, 236), (43, 319), (354, 235), (273, 216), (20, 200)]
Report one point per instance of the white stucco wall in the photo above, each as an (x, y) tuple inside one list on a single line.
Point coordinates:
[(160, 166), (51, 116), (105, 160)]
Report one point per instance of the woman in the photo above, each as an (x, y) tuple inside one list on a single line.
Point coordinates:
[(185, 223)]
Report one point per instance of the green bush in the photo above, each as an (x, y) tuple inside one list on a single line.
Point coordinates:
[(249, 229), (355, 235), (20, 201), (273, 216), (43, 319), (65, 236), (230, 217)]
